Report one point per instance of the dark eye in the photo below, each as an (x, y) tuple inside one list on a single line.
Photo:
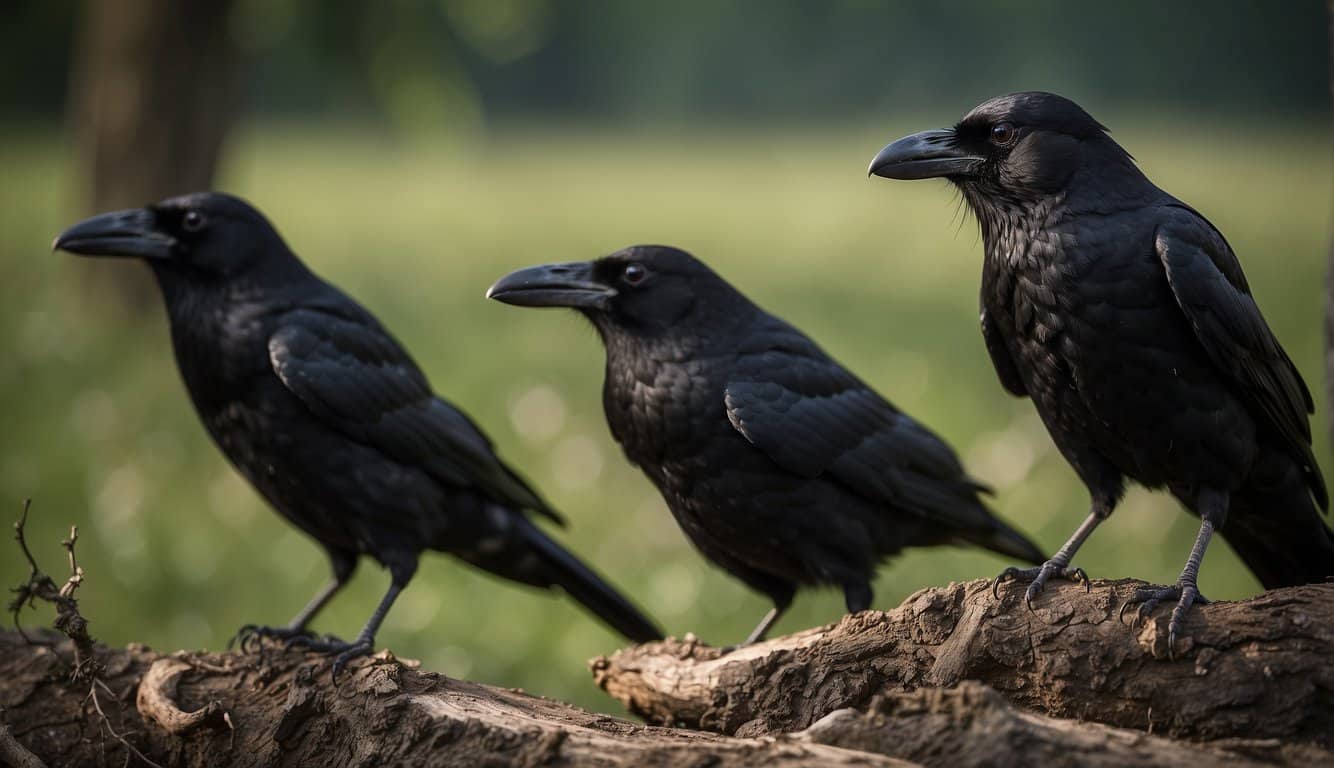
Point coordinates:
[(634, 273), (1002, 134), (193, 221)]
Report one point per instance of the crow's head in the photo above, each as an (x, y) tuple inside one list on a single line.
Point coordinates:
[(1019, 147), (207, 234), (643, 290)]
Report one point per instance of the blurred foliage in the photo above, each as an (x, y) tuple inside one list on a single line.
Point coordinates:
[(446, 66), (179, 551)]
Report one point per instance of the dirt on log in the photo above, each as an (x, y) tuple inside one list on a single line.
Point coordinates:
[(1261, 668)]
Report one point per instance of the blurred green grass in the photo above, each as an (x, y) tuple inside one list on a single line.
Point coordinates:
[(179, 552)]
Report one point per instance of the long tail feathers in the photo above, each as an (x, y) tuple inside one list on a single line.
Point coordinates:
[(1275, 528), (1004, 540), (532, 557)]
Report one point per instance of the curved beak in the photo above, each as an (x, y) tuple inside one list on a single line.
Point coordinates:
[(553, 285), (120, 233), (925, 155)]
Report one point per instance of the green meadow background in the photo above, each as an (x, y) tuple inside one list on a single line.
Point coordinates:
[(180, 552), (759, 170)]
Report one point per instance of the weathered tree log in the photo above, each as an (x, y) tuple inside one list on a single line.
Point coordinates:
[(1262, 668), (281, 708), (973, 725), (73, 702)]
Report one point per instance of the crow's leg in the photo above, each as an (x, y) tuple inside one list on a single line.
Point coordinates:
[(1212, 507), (762, 629), (344, 564), (400, 574), (1059, 564), (782, 598)]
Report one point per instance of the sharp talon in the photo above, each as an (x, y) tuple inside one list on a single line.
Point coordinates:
[(242, 637), (1004, 576), (1039, 576), (349, 653), (250, 638)]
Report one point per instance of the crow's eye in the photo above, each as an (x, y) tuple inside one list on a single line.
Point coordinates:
[(193, 221), (1002, 134), (634, 273)]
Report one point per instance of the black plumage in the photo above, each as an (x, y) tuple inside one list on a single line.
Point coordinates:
[(1125, 316), (781, 466), (328, 417)]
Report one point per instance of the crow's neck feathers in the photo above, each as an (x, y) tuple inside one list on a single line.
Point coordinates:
[(212, 315), (1106, 181)]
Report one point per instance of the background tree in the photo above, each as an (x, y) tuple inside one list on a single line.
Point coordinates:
[(152, 99)]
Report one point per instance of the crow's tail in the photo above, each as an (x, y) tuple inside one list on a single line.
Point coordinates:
[(1004, 540), (530, 556), (1275, 527)]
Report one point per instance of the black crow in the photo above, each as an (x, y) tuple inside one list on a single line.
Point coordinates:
[(781, 466), (328, 417), (1125, 316)]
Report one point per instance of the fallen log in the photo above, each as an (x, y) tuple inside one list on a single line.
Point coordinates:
[(1261, 668), (877, 689), (282, 708)]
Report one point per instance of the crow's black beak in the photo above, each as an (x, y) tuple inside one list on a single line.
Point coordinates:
[(553, 285), (925, 155), (120, 233)]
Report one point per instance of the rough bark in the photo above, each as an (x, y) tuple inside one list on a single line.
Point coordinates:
[(1255, 669), (197, 709), (152, 99), (69, 701), (974, 726), (276, 708)]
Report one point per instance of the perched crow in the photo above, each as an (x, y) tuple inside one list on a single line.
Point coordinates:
[(1125, 316), (781, 466), (327, 416)]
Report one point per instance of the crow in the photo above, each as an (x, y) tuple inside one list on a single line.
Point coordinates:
[(782, 468), (327, 416), (1125, 316)]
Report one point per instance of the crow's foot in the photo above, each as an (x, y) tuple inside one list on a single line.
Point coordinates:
[(1185, 593), (362, 646), (250, 637), (1039, 576)]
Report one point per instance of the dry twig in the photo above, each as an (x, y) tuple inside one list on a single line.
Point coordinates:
[(39, 586)]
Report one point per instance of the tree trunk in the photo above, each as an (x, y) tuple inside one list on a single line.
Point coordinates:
[(153, 97), (876, 689)]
